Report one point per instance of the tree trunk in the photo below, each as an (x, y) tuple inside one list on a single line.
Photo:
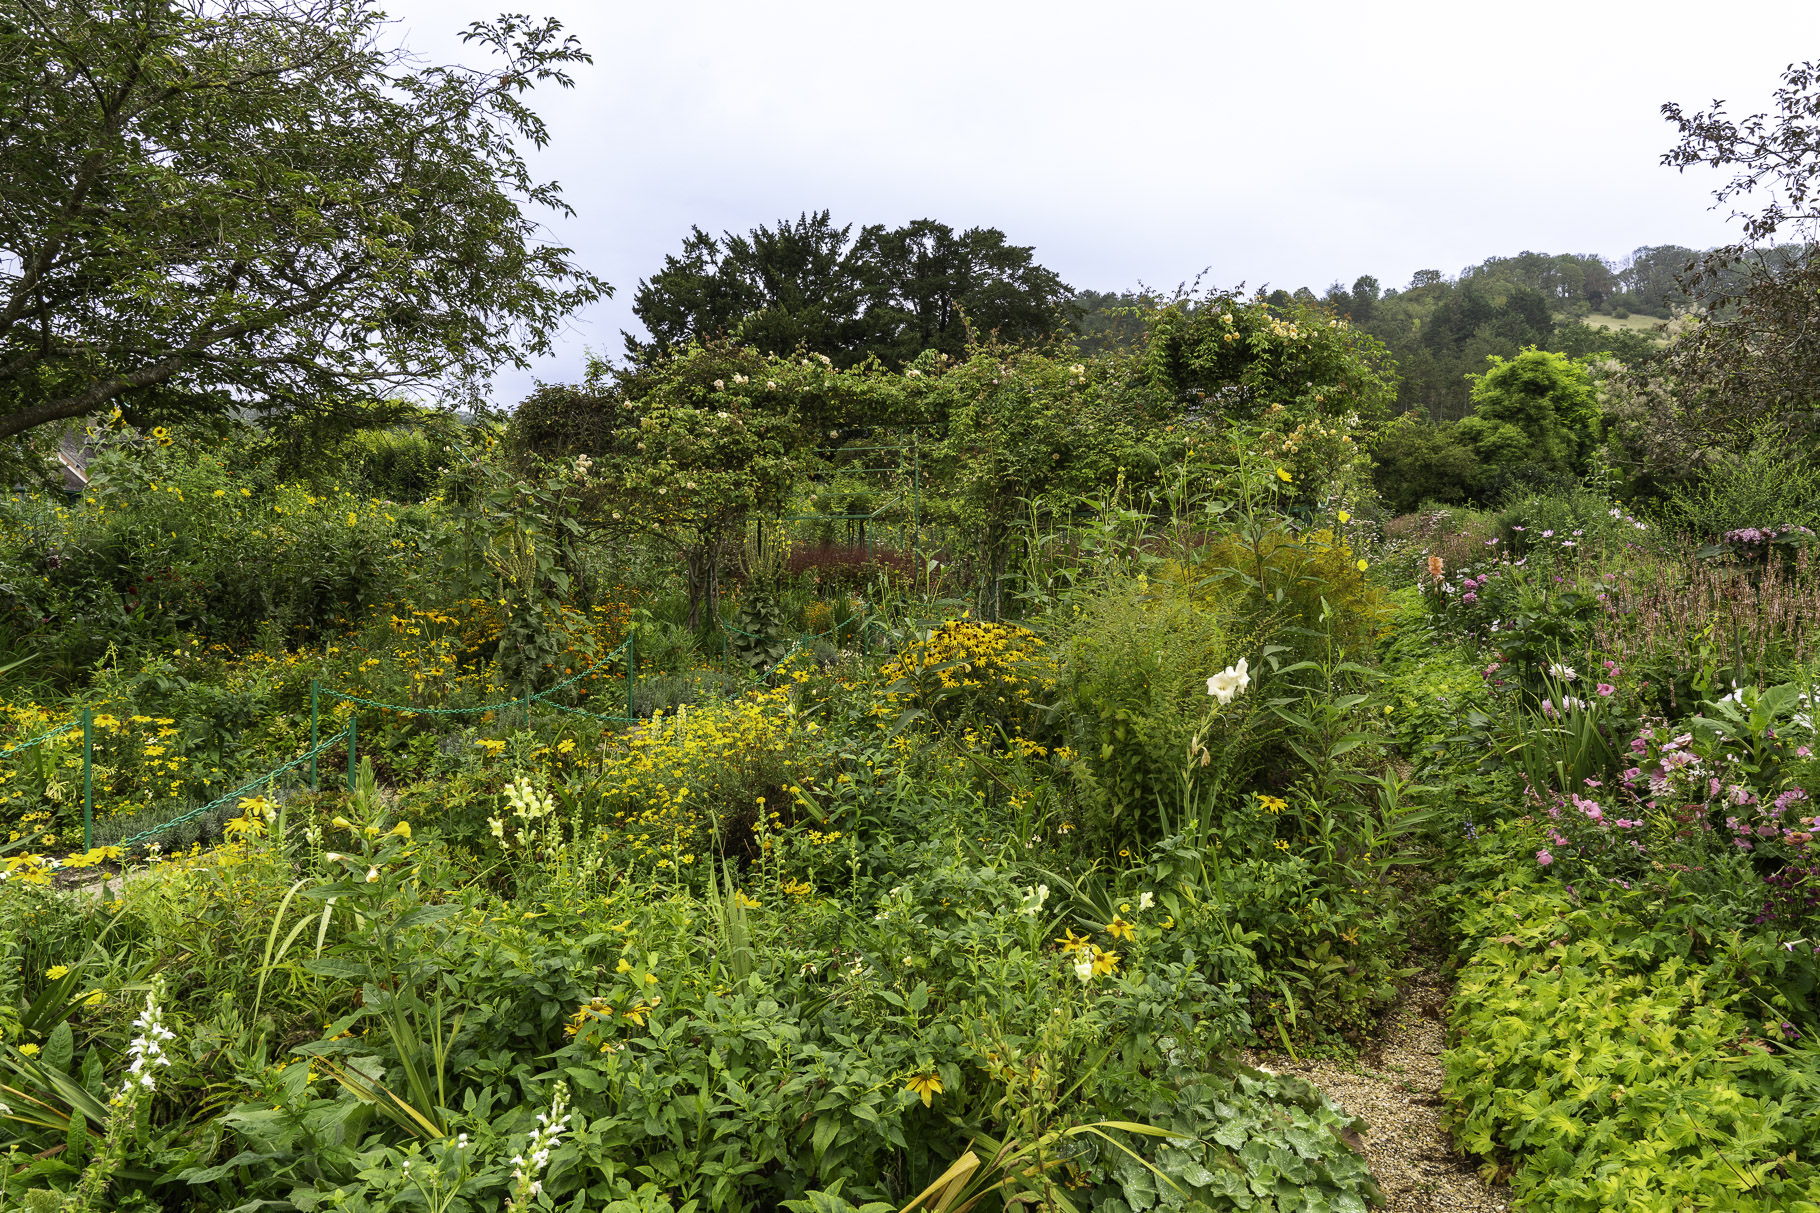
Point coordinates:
[(698, 577)]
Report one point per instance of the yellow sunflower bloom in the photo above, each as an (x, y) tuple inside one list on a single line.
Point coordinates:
[(927, 1085)]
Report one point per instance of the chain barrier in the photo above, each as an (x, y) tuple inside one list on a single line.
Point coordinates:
[(524, 704), (308, 756), (59, 731), (350, 734)]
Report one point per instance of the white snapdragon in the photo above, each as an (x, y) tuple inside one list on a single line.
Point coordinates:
[(147, 1050), (544, 1139)]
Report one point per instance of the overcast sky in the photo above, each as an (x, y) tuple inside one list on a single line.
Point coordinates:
[(1289, 144)]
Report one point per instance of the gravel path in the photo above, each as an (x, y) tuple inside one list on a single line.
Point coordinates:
[(1396, 1086)]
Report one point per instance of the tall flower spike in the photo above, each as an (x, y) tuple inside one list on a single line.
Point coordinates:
[(544, 1139)]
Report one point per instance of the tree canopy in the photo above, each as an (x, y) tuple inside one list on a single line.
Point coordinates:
[(885, 293), (1534, 416), (1753, 360), (253, 203)]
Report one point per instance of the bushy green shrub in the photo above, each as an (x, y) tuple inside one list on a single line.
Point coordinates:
[(1134, 691), (1771, 484), (1534, 416), (1312, 589), (1416, 462)]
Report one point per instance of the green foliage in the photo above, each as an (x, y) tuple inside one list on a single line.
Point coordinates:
[(1416, 462), (1615, 1067), (205, 224), (1234, 357), (1534, 416), (1770, 484), (173, 543), (885, 294), (1024, 424), (1134, 686)]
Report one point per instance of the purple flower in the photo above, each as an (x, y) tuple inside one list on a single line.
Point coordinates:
[(1548, 534), (1469, 597)]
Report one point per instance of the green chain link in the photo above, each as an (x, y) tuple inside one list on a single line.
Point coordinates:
[(26, 745), (537, 696), (142, 835)]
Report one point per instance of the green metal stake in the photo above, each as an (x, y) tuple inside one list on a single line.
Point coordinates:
[(353, 744), (88, 779), (313, 786), (632, 672)]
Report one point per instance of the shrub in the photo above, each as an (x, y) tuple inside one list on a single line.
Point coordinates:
[(666, 794), (1534, 415), (1134, 688), (1313, 589), (992, 676), (1770, 484), (849, 568), (1417, 462)]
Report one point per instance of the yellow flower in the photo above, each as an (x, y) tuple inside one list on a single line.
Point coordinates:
[(1281, 845), (1363, 565), (927, 1085), (403, 830), (1118, 928), (1070, 941), (342, 823), (744, 902), (1284, 476), (625, 966), (564, 746), (160, 432), (353, 519), (29, 1050), (57, 971), (1345, 517), (1104, 962)]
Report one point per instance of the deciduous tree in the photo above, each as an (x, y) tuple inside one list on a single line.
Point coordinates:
[(255, 202)]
